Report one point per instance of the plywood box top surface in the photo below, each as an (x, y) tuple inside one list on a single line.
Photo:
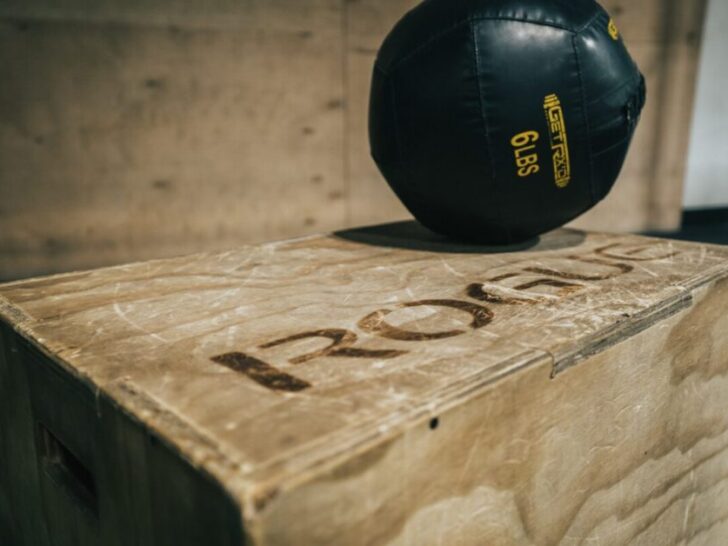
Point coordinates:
[(267, 363)]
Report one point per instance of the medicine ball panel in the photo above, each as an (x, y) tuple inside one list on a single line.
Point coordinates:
[(615, 93), (604, 59), (418, 28), (566, 14), (516, 110), (440, 127), (382, 122)]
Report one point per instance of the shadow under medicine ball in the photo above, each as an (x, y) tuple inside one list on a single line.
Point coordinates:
[(497, 120)]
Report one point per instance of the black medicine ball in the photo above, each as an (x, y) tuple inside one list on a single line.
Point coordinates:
[(497, 120)]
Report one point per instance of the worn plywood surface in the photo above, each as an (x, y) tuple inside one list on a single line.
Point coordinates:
[(302, 375), (136, 130)]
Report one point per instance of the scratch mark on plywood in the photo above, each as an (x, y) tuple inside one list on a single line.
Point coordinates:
[(122, 315)]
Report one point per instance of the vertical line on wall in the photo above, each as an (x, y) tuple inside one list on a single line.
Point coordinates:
[(345, 140), (671, 85), (659, 96)]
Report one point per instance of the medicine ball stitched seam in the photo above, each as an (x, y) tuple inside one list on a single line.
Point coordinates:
[(612, 146), (602, 17), (599, 12), (543, 23), (609, 124), (398, 152), (381, 70), (484, 120), (582, 89), (569, 5), (404, 164), (613, 121), (424, 45), (455, 26), (614, 91)]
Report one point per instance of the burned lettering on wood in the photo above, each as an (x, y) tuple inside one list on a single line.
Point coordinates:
[(337, 336), (607, 251), (564, 287), (341, 346), (621, 269), (261, 372), (375, 323), (478, 292)]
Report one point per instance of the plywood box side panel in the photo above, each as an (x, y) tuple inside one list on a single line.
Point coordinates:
[(17, 520), (141, 490), (624, 445)]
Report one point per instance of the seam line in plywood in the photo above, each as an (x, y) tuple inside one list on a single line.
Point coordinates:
[(632, 326), (622, 331), (443, 33)]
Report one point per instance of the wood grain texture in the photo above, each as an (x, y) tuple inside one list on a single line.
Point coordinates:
[(367, 23), (126, 138), (136, 130), (381, 386), (658, 21)]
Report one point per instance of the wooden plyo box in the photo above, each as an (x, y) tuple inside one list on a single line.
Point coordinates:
[(375, 387)]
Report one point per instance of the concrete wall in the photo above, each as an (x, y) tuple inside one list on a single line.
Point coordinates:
[(135, 129), (707, 172)]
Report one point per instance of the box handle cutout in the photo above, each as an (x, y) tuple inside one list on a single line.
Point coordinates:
[(67, 471)]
